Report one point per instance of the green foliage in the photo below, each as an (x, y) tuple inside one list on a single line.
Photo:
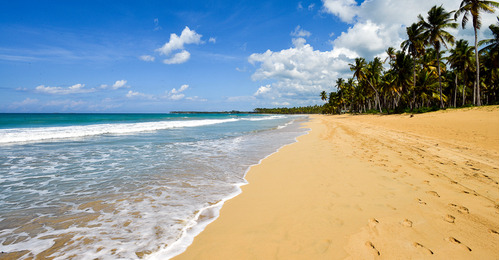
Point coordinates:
[(294, 110), (417, 79)]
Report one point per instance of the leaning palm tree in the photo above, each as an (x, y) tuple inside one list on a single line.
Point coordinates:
[(435, 34), (474, 8)]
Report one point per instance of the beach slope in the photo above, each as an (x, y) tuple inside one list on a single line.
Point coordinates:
[(369, 186)]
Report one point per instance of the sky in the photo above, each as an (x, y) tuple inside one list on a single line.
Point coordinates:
[(125, 56)]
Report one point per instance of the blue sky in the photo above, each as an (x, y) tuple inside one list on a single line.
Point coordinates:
[(159, 56)]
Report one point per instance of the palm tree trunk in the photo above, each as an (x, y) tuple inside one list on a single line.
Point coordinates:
[(477, 69), (439, 78), (474, 94), (378, 98), (456, 88), (463, 94), (414, 81)]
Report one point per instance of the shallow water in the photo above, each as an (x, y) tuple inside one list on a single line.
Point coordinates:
[(124, 187)]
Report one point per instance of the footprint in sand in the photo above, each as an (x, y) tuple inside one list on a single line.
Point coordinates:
[(421, 202), (459, 208), (407, 223), (433, 193), (449, 218), (456, 241), (372, 247), (372, 222), (418, 245)]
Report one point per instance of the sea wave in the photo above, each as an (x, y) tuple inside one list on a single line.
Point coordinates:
[(21, 135)]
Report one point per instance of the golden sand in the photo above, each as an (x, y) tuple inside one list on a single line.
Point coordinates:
[(368, 187)]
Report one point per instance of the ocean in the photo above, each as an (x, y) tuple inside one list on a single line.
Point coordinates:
[(124, 186)]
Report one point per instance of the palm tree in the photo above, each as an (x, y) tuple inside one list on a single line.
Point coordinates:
[(491, 44), (489, 57), (460, 59), (391, 54), (434, 31), (340, 89), (474, 8), (323, 95), (414, 46), (400, 69), (359, 67)]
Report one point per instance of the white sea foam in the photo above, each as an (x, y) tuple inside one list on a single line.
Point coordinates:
[(149, 196), (47, 133)]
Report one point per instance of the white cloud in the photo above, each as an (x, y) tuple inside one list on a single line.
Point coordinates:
[(344, 9), (212, 40), (181, 89), (119, 84), (75, 89), (178, 58), (176, 94), (299, 73), (378, 25), (299, 32), (135, 94), (177, 42), (148, 58), (311, 7), (196, 98), (368, 39), (263, 90)]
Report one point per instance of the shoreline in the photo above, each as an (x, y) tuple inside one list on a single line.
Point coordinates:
[(209, 214), (368, 186)]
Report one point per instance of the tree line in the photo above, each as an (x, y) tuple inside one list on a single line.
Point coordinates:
[(432, 70), (294, 110)]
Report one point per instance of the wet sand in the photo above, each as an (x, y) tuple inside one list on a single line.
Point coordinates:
[(369, 187)]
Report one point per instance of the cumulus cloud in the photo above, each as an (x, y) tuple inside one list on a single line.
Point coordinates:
[(263, 90), (178, 58), (176, 94), (75, 89), (378, 25), (300, 73), (177, 42), (346, 10), (368, 39), (181, 89), (119, 84), (212, 40)]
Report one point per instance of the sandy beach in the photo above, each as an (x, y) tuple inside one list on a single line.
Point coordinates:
[(368, 187)]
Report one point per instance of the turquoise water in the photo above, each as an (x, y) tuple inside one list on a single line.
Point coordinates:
[(124, 186)]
